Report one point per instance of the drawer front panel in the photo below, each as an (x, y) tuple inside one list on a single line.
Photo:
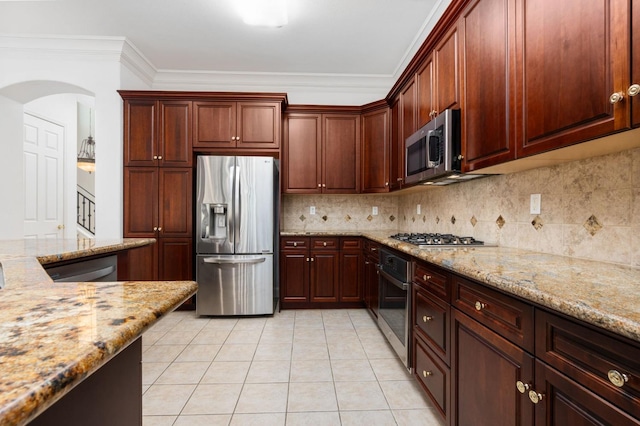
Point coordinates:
[(434, 281), (324, 243), (433, 375), (507, 316), (432, 322), (289, 243), (350, 243), (589, 357)]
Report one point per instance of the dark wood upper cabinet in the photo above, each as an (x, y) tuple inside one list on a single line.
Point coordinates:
[(572, 56), (408, 111), (425, 81), (157, 133), (635, 64), (176, 202), (227, 124), (321, 153), (341, 153), (302, 153), (396, 152), (487, 43), (446, 72), (375, 151)]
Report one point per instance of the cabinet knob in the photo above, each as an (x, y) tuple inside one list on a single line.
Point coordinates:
[(386, 184), (366, 262), (313, 259), (319, 185), (308, 259), (535, 397), (155, 157), (159, 157), (426, 277), (460, 157), (480, 306), (399, 179), (633, 90), (616, 97), (155, 228), (427, 318), (295, 244), (522, 387), (324, 243), (159, 229), (324, 185), (426, 373), (374, 249), (618, 379)]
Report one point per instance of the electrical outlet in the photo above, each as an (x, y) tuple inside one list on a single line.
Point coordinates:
[(312, 210), (418, 209), (535, 204), (374, 211)]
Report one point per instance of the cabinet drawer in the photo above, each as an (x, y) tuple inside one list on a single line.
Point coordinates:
[(433, 376), (289, 243), (589, 356), (433, 280), (431, 321), (371, 249), (324, 243), (507, 316), (350, 244)]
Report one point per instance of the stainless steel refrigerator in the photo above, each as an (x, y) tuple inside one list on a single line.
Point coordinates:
[(236, 225)]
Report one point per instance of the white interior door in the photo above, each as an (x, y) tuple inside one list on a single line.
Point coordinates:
[(43, 177)]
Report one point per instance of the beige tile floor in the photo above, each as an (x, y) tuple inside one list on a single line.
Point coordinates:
[(302, 367)]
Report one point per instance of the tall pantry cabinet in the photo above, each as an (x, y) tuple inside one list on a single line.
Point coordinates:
[(158, 187)]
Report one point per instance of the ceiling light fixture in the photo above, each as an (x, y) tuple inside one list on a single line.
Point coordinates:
[(87, 153), (264, 13)]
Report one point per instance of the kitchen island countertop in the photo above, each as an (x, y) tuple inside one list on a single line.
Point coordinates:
[(54, 335), (603, 294)]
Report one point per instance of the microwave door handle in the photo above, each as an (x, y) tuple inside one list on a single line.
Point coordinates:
[(430, 163)]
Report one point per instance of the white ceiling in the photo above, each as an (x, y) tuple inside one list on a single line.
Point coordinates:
[(369, 38)]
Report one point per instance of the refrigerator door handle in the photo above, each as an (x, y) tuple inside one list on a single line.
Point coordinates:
[(250, 260)]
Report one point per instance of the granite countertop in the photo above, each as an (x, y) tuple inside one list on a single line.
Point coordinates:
[(603, 294), (53, 335)]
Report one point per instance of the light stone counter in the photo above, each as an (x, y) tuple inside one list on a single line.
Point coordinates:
[(603, 294), (53, 335)]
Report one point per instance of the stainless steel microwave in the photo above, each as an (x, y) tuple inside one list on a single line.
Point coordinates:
[(433, 152)]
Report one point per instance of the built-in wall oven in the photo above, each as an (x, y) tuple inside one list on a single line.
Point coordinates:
[(394, 302)]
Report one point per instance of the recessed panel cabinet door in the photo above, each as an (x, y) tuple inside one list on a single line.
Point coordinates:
[(140, 201), (375, 151), (139, 132), (175, 202), (324, 276), (487, 30), (302, 154), (258, 125), (425, 81), (214, 124), (573, 56), (396, 153), (175, 262), (175, 134), (341, 154), (294, 276), (447, 86)]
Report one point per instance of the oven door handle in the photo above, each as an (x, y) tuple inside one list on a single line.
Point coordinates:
[(401, 285)]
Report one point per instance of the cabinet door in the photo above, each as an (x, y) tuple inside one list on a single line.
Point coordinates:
[(341, 153), (302, 154), (396, 152), (408, 107), (175, 134), (486, 368), (487, 35), (294, 276), (175, 259), (564, 402), (175, 200), (139, 264), (258, 125), (214, 124), (635, 65), (139, 132), (140, 201), (324, 276), (574, 54), (424, 82), (375, 151), (351, 276), (447, 86)]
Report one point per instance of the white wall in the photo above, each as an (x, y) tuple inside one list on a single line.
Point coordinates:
[(40, 69), (11, 175)]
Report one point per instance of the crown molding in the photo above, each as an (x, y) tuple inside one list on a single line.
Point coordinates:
[(136, 62)]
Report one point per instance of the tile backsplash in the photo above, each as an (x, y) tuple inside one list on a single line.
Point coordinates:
[(590, 209)]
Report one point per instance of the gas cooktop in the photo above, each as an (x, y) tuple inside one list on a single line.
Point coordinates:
[(439, 240)]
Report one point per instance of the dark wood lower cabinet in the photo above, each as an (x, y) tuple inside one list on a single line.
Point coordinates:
[(350, 276), (485, 370), (325, 276), (566, 403), (294, 277)]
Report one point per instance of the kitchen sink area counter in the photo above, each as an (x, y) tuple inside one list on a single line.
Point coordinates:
[(599, 293), (53, 336)]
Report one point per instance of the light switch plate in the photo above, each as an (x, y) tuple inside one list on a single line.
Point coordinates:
[(312, 210), (418, 209), (374, 211), (535, 204)]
